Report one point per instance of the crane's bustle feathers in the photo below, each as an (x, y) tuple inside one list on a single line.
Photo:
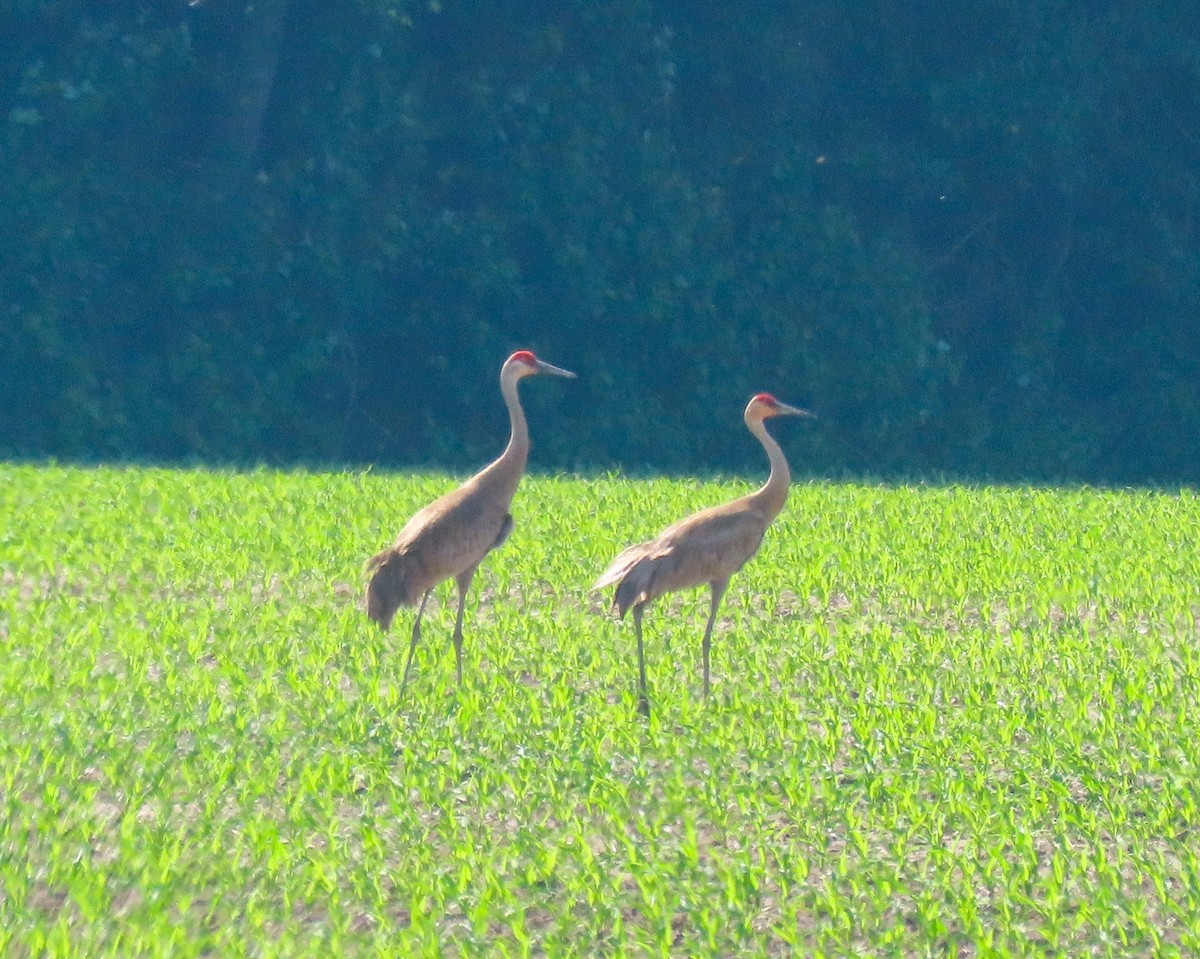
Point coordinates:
[(391, 586)]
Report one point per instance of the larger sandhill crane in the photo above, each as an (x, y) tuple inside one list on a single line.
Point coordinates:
[(706, 547), (451, 536)]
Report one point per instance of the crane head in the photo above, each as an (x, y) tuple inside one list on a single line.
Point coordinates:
[(524, 363), (764, 405)]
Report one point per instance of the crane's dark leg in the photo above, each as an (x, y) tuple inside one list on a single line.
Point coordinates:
[(643, 698), (718, 591), (416, 634), (464, 583)]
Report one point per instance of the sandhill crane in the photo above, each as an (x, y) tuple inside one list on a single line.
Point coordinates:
[(451, 535), (706, 547)]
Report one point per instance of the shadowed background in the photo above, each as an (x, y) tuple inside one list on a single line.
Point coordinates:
[(308, 232)]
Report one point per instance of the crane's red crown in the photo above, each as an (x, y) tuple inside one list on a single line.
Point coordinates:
[(766, 399), (524, 356)]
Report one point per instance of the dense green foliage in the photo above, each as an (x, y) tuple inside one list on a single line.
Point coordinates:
[(944, 722), (964, 233)]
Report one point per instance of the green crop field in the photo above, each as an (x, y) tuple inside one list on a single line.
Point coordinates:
[(945, 721)]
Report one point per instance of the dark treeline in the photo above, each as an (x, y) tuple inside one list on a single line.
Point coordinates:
[(301, 231)]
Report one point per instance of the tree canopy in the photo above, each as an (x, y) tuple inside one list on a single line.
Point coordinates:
[(965, 235)]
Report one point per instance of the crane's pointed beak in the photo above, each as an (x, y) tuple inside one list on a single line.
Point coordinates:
[(785, 410), (544, 367)]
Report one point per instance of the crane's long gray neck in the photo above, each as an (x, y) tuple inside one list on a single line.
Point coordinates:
[(773, 494), (511, 464)]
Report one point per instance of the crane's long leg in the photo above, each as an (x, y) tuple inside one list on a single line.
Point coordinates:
[(416, 634), (464, 583), (643, 698), (718, 591)]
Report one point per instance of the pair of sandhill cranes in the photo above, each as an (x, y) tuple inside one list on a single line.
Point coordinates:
[(452, 535)]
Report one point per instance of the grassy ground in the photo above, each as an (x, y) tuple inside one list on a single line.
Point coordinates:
[(945, 721)]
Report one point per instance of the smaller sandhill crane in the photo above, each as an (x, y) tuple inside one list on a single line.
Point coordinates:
[(706, 547), (451, 536)]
